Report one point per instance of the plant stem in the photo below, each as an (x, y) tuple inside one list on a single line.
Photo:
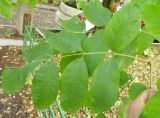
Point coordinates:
[(150, 68), (95, 53), (130, 56)]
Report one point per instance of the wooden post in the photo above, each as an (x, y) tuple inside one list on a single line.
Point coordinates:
[(24, 17)]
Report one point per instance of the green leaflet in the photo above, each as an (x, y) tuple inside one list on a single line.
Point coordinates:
[(29, 67), (123, 108), (152, 109), (158, 83), (13, 79), (74, 24), (124, 78), (94, 44), (104, 87), (39, 52), (141, 3), (123, 28), (45, 1), (95, 12), (144, 41), (67, 60), (158, 2), (122, 61), (74, 86), (45, 85), (151, 16), (65, 41), (33, 2), (101, 115), (6, 9), (135, 89)]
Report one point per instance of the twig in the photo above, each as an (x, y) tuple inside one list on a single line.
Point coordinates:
[(130, 56)]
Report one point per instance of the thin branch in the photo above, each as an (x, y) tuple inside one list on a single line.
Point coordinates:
[(116, 54), (150, 68), (130, 56)]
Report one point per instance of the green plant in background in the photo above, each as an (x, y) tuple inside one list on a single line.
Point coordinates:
[(91, 68), (7, 6)]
